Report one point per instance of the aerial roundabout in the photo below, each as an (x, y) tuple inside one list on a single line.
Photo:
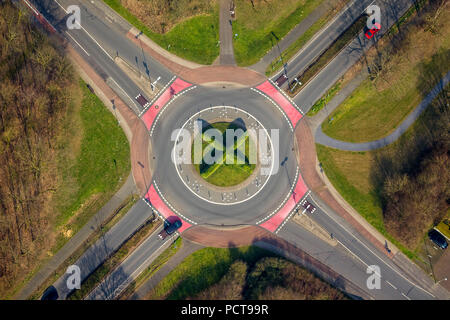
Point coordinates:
[(223, 156)]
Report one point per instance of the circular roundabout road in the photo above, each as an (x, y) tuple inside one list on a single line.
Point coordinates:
[(192, 198)]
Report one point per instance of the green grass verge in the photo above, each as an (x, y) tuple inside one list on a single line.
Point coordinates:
[(202, 269), (444, 227), (254, 26), (324, 100), (97, 171), (362, 198), (368, 114), (121, 211), (194, 39), (376, 108)]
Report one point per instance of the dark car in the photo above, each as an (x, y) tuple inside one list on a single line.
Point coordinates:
[(50, 294), (171, 228), (308, 206), (142, 101), (281, 79), (438, 239)]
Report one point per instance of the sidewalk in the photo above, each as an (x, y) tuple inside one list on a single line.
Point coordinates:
[(226, 35), (321, 186)]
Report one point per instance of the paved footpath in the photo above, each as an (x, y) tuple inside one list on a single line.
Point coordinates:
[(323, 139), (226, 34)]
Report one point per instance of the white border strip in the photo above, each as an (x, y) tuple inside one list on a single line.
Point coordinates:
[(158, 95)]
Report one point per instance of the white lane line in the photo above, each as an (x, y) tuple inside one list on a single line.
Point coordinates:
[(353, 254), (166, 105), (109, 56), (31, 7), (286, 96), (391, 285), (350, 233), (284, 201), (77, 43), (137, 110), (276, 105), (154, 210), (173, 209), (294, 210), (406, 296), (158, 95), (132, 276), (186, 184), (317, 35)]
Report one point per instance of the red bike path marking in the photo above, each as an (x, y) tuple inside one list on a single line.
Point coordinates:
[(177, 86), (275, 221), (292, 113), (155, 200)]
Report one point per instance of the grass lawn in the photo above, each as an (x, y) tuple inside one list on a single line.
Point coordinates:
[(194, 38), (254, 25), (202, 269), (376, 108), (94, 160), (224, 175), (350, 173), (324, 100), (302, 40)]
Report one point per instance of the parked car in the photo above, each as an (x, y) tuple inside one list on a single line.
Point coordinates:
[(142, 101), (308, 206), (438, 239), (281, 79), (171, 228), (50, 294)]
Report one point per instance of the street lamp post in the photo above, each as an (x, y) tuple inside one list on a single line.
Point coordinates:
[(281, 58), (444, 279)]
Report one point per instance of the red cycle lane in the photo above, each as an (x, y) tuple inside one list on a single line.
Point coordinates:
[(291, 111), (155, 200), (176, 87), (277, 219)]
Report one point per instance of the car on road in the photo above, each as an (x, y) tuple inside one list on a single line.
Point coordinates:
[(142, 101), (308, 206), (281, 79), (171, 228), (438, 239), (50, 294)]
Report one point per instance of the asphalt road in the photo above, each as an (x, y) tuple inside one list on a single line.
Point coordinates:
[(131, 267), (182, 198), (93, 257), (323, 81), (322, 40), (97, 43), (352, 256)]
